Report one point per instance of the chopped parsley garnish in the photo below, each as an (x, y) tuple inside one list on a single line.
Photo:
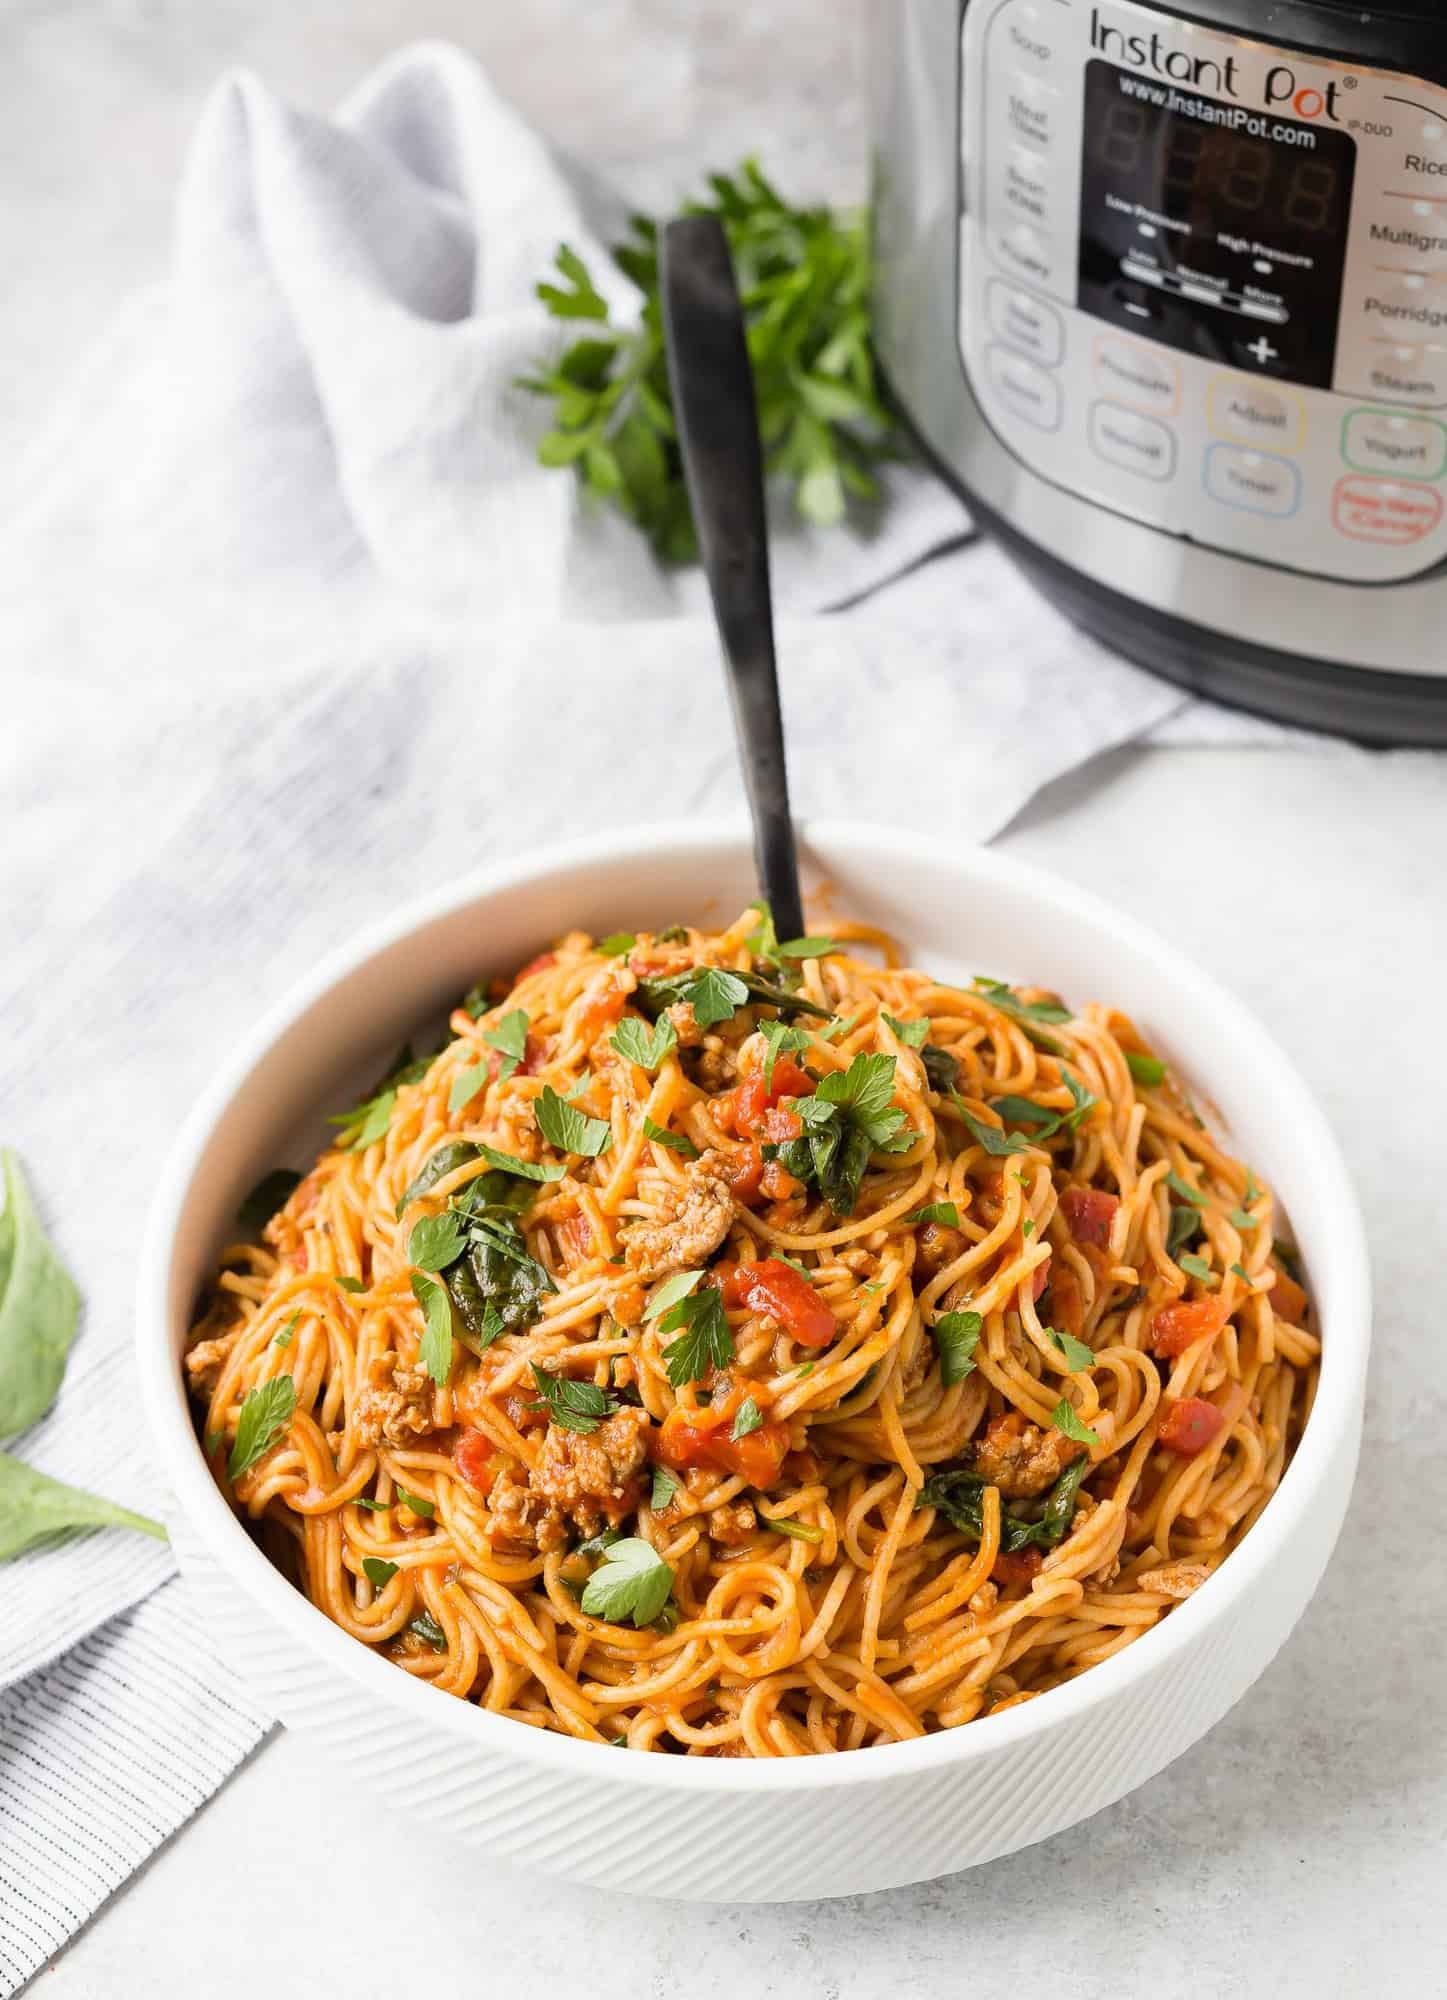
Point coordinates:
[(1197, 1267), (632, 1581), (1029, 1013), (1077, 1354), (465, 1086), (911, 1033), (639, 1043), (265, 1415), (763, 941), (1064, 1419), (837, 1027), (749, 1418), (704, 1340), (436, 1241), (350, 1284), (283, 1339), (1185, 1226), (670, 1292), (937, 1211), (1245, 1276), (367, 1122), (569, 1129), (378, 1572), (435, 1348), (1239, 1219), (1041, 1124), (957, 1335), (1149, 1070), (574, 1406), (665, 1486), (676, 1142), (849, 1118), (779, 1036), (1184, 1189), (714, 996), (416, 1504), (616, 944)]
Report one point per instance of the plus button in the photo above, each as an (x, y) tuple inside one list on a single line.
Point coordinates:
[(1262, 349)]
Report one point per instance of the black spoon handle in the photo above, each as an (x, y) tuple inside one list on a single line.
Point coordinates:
[(718, 434)]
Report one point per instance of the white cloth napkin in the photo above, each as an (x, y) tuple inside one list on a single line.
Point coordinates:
[(292, 624)]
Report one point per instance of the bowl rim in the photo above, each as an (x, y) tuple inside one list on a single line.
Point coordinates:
[(1335, 1414)]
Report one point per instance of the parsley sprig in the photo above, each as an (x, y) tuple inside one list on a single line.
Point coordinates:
[(804, 280), (849, 1118)]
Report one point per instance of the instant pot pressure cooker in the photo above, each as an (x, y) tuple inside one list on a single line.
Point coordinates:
[(1164, 294)]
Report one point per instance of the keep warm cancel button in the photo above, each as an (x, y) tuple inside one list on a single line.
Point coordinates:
[(1384, 510)]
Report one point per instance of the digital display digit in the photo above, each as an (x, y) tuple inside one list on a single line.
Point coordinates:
[(1213, 228)]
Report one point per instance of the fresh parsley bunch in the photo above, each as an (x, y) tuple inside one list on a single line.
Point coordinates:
[(804, 280)]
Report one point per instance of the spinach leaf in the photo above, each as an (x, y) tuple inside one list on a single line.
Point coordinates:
[(959, 1495), (272, 1192), (446, 1160), (39, 1309), (33, 1505)]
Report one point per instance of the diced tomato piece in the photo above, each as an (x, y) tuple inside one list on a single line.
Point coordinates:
[(752, 1099), (745, 1173), (778, 1183), (779, 1292), (778, 1126), (1190, 1425), (604, 1010), (1176, 1327), (691, 1438), (1089, 1213), (1288, 1300), (539, 964), (477, 1459), (579, 1232), (1019, 1566)]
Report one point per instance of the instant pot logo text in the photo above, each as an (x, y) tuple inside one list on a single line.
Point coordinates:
[(1155, 55)]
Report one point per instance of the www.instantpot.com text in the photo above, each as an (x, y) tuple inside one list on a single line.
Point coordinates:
[(1235, 116)]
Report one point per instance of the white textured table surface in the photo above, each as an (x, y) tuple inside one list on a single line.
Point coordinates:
[(1298, 1849)]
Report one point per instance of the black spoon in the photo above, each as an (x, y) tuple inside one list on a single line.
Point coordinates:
[(723, 464)]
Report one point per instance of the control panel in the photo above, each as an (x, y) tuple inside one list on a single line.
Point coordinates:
[(1203, 281)]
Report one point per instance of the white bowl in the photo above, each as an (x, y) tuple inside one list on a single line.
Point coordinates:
[(726, 1829)]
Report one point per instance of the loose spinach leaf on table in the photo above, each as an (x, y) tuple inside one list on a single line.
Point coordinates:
[(39, 1308), (33, 1505)]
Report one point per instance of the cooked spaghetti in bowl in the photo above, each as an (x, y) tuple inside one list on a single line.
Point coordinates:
[(734, 1348)]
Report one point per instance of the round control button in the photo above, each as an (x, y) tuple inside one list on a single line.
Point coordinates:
[(1025, 323), (1257, 482), (1124, 437), (1023, 388), (1384, 510), (1138, 376), (1246, 412), (1390, 441)]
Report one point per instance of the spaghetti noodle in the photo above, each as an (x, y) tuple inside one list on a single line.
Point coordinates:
[(726, 1348)]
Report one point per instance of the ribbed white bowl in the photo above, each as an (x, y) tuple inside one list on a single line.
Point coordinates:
[(727, 1829)]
